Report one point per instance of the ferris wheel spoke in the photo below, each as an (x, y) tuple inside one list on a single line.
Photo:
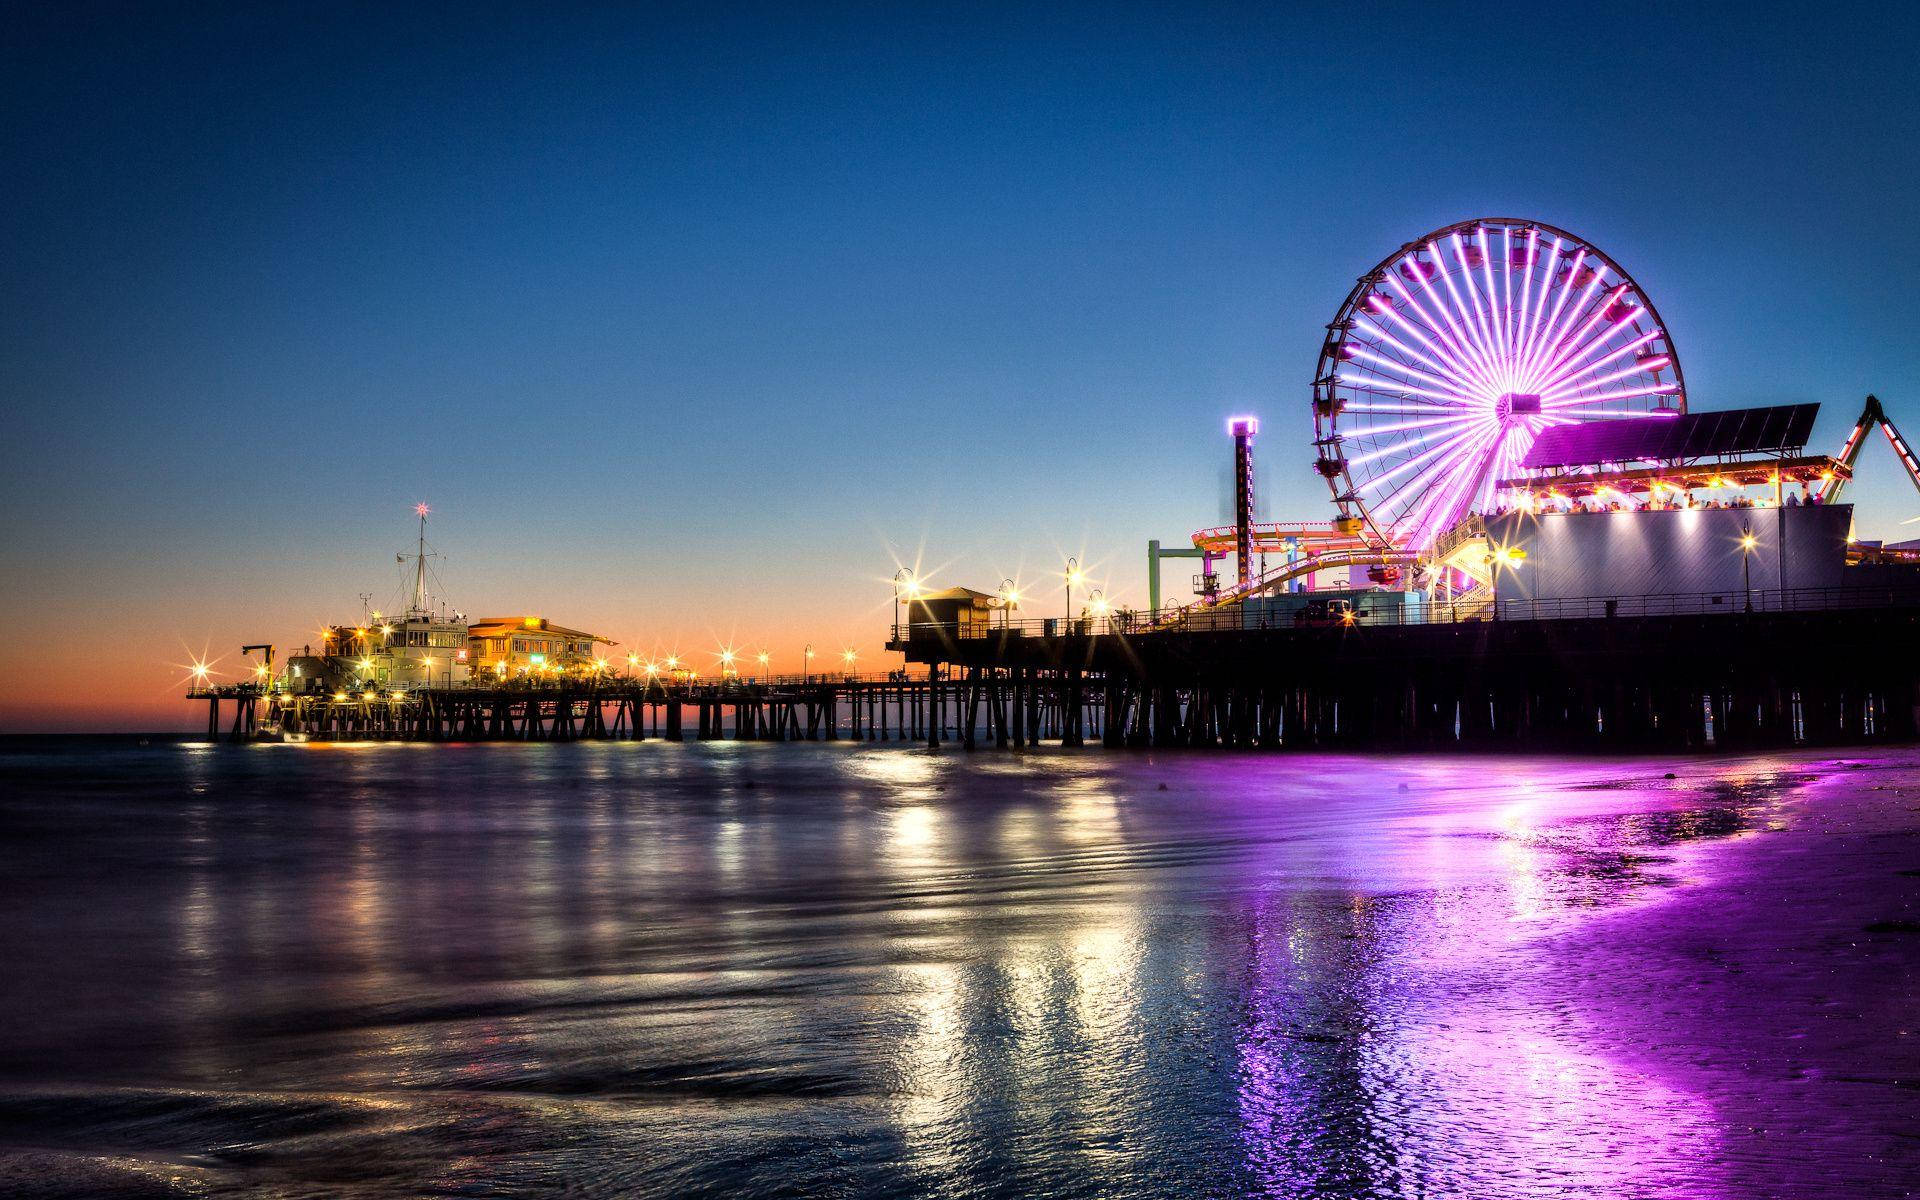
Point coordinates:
[(1563, 289), (1379, 331), (1569, 417), (1490, 369), (1507, 327), (1663, 389), (1396, 447), (1438, 492), (1463, 376), (1573, 341), (1400, 426), (1526, 295), (1400, 387), (1470, 353), (1476, 312), (1586, 364), (1424, 460), (1488, 304), (1517, 441), (1589, 312), (1415, 408), (1540, 301), (1475, 488), (1408, 375), (1428, 456), (1542, 345), (1399, 368), (1432, 402), (1571, 390), (1496, 327), (1480, 489), (1424, 492), (1406, 505), (1455, 353)]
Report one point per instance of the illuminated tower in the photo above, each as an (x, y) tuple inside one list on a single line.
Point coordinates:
[(1243, 429)]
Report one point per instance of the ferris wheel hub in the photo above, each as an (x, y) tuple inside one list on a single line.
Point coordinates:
[(1517, 404)]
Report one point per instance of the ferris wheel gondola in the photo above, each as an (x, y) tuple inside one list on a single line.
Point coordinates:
[(1452, 355)]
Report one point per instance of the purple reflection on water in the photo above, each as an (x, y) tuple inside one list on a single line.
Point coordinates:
[(759, 970)]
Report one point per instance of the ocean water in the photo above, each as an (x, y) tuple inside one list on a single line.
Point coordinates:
[(838, 970)]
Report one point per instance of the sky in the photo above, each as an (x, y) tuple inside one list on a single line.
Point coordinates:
[(692, 324)]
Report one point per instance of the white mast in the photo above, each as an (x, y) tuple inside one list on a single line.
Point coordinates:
[(420, 565)]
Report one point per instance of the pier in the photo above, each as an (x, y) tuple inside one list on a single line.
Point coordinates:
[(1803, 668), (1598, 677), (893, 707)]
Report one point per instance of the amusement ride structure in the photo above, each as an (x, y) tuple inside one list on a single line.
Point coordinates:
[(1438, 383), (1451, 356)]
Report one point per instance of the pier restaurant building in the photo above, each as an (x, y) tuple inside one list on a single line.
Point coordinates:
[(509, 646)]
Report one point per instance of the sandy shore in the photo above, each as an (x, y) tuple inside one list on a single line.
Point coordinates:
[(1781, 981)]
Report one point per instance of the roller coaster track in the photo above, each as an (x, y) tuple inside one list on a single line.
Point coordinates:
[(1369, 556)]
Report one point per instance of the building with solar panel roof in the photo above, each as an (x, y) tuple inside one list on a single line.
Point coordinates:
[(1710, 510)]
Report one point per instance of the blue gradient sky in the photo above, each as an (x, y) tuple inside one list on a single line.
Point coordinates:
[(690, 324)]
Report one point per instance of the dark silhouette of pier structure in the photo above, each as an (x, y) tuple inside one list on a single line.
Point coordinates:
[(1823, 669)]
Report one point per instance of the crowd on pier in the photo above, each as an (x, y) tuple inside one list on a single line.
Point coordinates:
[(1672, 500)]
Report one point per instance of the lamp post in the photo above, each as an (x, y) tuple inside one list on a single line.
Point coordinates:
[(1098, 604), (1508, 557), (1747, 543), (1074, 575), (1009, 600), (764, 658), (806, 668), (902, 582)]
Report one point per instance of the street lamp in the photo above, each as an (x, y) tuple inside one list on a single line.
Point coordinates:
[(903, 582), (1009, 600), (806, 667), (764, 658), (1747, 543), (847, 656), (1074, 575), (1098, 603), (1503, 556)]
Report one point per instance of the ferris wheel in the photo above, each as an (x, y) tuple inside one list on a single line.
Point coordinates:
[(1449, 358)]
